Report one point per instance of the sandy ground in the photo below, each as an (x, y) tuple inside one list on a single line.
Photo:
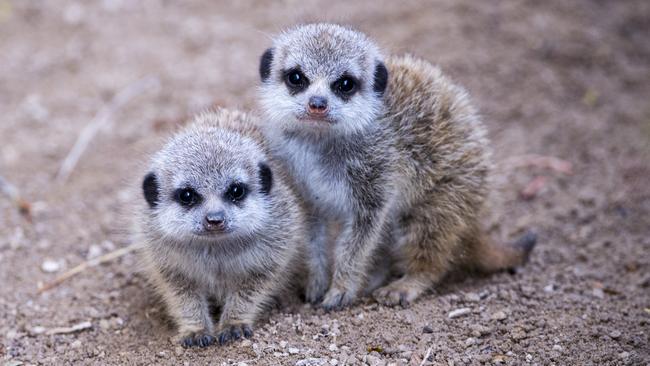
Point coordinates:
[(568, 79)]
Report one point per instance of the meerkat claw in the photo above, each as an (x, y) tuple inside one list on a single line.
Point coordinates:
[(234, 333), (197, 340), (248, 332), (336, 300), (314, 294)]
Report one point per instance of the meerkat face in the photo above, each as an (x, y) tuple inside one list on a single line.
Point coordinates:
[(208, 185), (322, 77)]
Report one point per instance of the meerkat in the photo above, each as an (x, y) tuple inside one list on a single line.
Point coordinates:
[(390, 149), (221, 227)]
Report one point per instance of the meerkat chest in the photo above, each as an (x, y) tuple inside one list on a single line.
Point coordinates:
[(323, 185), (214, 268)]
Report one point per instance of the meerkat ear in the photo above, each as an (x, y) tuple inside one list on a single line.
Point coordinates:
[(266, 178), (150, 189), (265, 64), (381, 78)]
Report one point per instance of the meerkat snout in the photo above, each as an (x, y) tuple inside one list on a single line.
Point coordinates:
[(215, 221), (317, 106)]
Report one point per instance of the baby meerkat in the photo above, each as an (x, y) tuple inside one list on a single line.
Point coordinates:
[(392, 150), (221, 227)]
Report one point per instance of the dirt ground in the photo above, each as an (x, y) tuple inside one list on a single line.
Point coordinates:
[(566, 79)]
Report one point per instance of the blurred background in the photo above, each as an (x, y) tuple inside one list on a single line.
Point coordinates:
[(88, 89)]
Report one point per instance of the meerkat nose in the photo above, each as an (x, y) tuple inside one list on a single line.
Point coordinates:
[(214, 221), (317, 105)]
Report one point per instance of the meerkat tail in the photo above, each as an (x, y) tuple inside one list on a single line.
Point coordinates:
[(487, 256)]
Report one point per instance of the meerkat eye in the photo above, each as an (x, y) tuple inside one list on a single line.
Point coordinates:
[(187, 197), (296, 80), (345, 86), (236, 192)]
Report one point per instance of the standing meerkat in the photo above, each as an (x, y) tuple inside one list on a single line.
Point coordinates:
[(221, 227), (392, 150)]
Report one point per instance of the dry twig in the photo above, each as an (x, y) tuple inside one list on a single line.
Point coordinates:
[(533, 188), (426, 357), (11, 191), (102, 120), (88, 264), (73, 329), (541, 161)]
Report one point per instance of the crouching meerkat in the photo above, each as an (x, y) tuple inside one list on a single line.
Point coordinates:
[(221, 227), (392, 150)]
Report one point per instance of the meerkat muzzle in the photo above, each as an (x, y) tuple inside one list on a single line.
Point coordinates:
[(214, 221), (317, 106)]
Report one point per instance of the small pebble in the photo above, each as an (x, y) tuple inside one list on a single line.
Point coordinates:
[(388, 337), (94, 251), (374, 360), (293, 350), (624, 355), (479, 330), (557, 347), (470, 342), (246, 343), (598, 293), (529, 357), (472, 297), (12, 334), (427, 329), (549, 288), (615, 334), (37, 330), (458, 312), (333, 347), (50, 265), (499, 315), (311, 362)]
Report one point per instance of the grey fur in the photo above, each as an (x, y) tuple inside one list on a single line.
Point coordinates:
[(245, 266), (404, 171)]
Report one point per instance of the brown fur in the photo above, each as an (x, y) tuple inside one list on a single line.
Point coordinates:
[(445, 156), (403, 169)]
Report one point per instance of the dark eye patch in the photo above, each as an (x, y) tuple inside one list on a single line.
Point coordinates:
[(295, 80), (346, 86), (187, 197), (236, 192)]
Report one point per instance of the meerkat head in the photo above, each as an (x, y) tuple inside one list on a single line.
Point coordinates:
[(322, 77), (208, 184)]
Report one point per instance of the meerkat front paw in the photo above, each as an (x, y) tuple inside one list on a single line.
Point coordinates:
[(315, 289), (337, 299), (234, 332), (400, 292), (197, 339)]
